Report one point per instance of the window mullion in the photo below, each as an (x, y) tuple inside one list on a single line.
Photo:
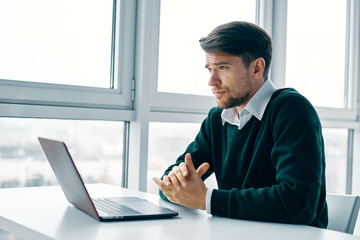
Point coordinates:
[(349, 165)]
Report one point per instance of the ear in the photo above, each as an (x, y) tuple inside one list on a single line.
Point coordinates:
[(258, 67)]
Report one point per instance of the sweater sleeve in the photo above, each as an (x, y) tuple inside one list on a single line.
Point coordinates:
[(298, 158), (199, 149)]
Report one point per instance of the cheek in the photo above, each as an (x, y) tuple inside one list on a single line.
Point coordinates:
[(233, 82), (238, 86)]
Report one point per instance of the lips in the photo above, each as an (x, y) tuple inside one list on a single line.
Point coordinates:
[(218, 92)]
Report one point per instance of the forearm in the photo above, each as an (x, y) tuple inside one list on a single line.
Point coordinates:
[(279, 203)]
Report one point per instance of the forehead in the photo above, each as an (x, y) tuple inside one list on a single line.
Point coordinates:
[(223, 58)]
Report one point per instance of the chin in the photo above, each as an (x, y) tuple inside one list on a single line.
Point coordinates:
[(222, 105)]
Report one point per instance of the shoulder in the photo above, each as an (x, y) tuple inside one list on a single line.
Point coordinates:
[(215, 111), (288, 99), (288, 105), (287, 94)]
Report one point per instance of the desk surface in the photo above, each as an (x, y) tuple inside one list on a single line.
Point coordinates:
[(43, 213)]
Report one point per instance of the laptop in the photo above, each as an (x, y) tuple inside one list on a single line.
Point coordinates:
[(103, 209)]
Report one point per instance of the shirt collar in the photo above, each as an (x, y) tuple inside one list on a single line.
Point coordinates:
[(256, 106)]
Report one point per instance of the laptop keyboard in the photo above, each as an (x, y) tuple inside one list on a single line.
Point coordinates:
[(113, 208)]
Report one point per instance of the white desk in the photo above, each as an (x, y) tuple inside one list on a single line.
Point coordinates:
[(43, 213)]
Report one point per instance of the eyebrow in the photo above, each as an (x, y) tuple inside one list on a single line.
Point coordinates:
[(217, 64)]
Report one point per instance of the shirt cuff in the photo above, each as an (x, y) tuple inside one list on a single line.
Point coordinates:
[(208, 200)]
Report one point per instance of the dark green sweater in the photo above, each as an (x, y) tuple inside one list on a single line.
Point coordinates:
[(270, 170)]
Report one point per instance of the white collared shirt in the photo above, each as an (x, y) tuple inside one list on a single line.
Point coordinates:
[(255, 107)]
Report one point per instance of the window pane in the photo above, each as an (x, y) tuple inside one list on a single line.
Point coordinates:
[(181, 59), (57, 41), (167, 141), (336, 159), (316, 43), (96, 147)]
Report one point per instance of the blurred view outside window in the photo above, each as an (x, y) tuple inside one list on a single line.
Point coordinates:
[(181, 59), (167, 141), (316, 44), (96, 148), (336, 145)]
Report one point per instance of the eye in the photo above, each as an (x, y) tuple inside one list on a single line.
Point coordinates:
[(223, 67), (209, 69)]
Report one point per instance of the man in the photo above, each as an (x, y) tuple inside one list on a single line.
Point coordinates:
[(264, 144)]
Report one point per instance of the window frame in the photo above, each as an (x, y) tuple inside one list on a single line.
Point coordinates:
[(171, 102)]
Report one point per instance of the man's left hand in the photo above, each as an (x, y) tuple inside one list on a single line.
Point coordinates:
[(184, 186)]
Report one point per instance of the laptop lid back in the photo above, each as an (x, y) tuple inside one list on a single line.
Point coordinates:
[(67, 175)]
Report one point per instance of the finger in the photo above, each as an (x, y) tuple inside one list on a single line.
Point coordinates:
[(203, 168), (165, 189), (184, 169), (158, 181), (179, 172), (174, 180), (161, 184), (189, 163), (166, 180)]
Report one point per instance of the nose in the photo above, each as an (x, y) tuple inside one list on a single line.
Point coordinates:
[(214, 79)]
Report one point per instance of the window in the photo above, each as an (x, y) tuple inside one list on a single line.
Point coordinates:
[(309, 69), (316, 51), (63, 75), (181, 59), (86, 88), (96, 147), (57, 53), (322, 58), (64, 45), (336, 146)]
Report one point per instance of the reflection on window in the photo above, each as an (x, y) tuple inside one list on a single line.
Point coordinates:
[(181, 59), (96, 147), (336, 159), (59, 41), (315, 59)]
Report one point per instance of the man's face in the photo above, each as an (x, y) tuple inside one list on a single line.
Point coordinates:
[(230, 79)]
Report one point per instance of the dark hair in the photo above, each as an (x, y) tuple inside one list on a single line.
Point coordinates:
[(242, 39)]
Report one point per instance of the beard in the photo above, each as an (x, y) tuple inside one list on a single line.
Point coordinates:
[(231, 102)]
